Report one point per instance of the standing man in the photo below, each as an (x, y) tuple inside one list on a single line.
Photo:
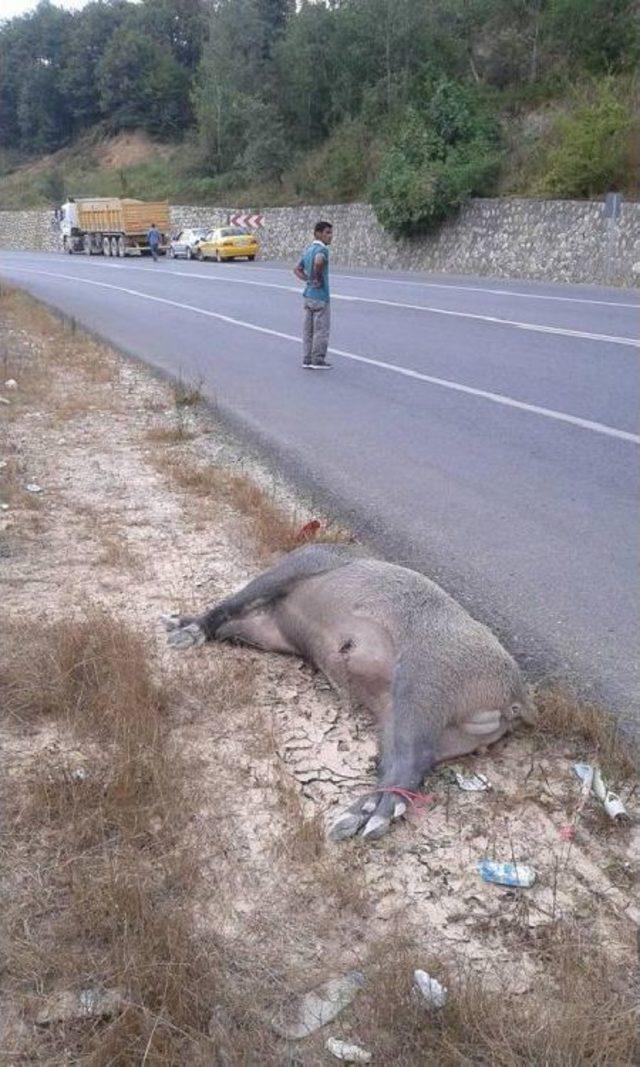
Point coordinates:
[(313, 269), (153, 237)]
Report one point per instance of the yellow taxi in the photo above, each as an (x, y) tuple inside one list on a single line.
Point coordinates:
[(229, 242)]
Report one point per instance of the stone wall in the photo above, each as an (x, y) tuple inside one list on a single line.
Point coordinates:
[(549, 240)]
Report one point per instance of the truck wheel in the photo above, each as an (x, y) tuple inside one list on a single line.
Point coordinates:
[(106, 246), (87, 244), (122, 248), (114, 246)]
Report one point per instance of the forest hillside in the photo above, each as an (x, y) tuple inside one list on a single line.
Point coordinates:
[(412, 104)]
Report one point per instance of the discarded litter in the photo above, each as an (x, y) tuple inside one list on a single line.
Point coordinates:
[(592, 781), (511, 874), (11, 383), (347, 1053), (4, 507), (473, 783), (318, 1007), (97, 1002), (33, 487), (89, 1003), (431, 990), (3, 400), (308, 531)]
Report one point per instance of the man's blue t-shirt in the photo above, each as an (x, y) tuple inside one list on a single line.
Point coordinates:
[(153, 236), (316, 288)]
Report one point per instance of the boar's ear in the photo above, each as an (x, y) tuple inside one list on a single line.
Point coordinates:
[(525, 710)]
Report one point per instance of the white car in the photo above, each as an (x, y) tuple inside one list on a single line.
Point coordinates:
[(186, 243)]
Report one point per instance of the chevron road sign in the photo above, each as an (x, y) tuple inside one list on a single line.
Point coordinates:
[(243, 218)]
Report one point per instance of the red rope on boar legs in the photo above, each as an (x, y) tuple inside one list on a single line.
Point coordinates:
[(413, 799)]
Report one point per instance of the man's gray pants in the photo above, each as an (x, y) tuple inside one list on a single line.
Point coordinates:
[(315, 334)]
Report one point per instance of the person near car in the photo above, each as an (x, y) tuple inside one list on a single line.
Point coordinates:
[(153, 237), (313, 269)]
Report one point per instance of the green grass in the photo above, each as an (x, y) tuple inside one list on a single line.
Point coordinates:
[(336, 171)]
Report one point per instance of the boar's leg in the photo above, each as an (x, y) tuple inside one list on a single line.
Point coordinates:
[(408, 740), (189, 630)]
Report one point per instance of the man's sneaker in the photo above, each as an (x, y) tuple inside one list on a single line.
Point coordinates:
[(323, 365), (307, 364)]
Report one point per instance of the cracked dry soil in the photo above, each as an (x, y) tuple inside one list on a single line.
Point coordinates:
[(111, 528)]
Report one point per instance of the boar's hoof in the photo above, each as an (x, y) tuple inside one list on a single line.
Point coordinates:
[(372, 814), (189, 636)]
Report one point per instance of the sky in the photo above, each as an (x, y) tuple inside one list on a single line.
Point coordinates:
[(9, 8)]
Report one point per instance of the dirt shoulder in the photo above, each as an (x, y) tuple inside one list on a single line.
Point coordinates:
[(203, 783)]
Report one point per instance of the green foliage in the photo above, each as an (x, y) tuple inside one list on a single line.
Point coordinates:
[(141, 85), (341, 167), (446, 149), (51, 186), (591, 148), (266, 154), (315, 97), (123, 63), (42, 116), (599, 36)]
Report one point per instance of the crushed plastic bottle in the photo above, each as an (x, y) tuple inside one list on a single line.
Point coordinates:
[(430, 988), (592, 780), (346, 1052), (516, 875), (472, 783)]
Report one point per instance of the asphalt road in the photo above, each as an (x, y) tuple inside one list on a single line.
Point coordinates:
[(483, 432)]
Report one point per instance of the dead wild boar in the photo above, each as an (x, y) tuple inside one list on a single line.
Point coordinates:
[(439, 684)]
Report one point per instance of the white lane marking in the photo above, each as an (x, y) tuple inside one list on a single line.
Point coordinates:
[(563, 331), (444, 285), (496, 398), (469, 289)]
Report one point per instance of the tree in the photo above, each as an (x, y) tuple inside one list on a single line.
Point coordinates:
[(179, 24), (235, 80), (91, 31), (141, 85), (592, 153), (42, 117), (446, 150), (305, 68), (598, 35), (267, 153)]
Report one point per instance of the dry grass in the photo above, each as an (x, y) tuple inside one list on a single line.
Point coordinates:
[(583, 1013), (115, 551), (84, 672), (562, 716), (187, 394), (169, 435), (105, 888), (14, 477), (104, 862), (187, 398), (272, 529), (51, 352)]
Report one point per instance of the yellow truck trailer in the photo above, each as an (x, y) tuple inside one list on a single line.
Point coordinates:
[(112, 226)]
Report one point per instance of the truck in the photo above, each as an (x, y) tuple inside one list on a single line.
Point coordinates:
[(112, 226)]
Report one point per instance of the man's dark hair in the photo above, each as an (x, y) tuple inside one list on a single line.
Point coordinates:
[(320, 227), (153, 225)]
